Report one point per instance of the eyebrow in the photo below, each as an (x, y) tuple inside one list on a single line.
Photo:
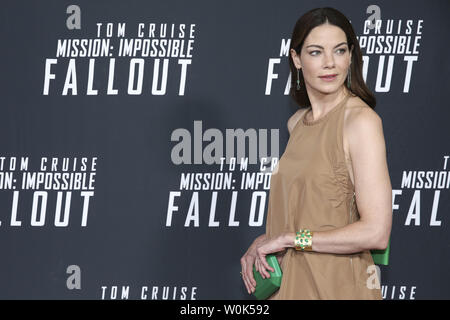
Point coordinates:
[(315, 45)]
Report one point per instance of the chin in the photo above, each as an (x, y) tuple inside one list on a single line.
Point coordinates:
[(328, 89)]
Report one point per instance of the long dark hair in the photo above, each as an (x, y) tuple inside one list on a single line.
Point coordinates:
[(303, 27)]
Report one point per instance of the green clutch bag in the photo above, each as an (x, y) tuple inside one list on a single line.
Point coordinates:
[(381, 256), (266, 287)]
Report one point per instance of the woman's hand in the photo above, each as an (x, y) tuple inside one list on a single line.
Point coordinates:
[(247, 262), (268, 246)]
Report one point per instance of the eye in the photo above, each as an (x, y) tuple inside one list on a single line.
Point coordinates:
[(342, 51)]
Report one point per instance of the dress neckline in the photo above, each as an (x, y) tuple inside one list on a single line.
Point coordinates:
[(321, 119)]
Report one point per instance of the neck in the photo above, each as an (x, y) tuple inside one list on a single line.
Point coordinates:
[(323, 103)]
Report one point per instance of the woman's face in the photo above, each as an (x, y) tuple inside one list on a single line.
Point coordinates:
[(324, 52)]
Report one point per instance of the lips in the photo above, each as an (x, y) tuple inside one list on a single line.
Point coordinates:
[(328, 76)]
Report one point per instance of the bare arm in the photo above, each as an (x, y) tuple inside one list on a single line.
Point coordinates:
[(257, 241)]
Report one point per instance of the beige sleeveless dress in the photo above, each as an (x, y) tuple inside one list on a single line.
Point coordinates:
[(311, 188)]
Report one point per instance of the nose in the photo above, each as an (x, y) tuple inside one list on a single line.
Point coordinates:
[(329, 60)]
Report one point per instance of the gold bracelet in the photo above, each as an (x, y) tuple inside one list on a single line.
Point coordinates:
[(303, 240)]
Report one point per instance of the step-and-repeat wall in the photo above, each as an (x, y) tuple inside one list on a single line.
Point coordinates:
[(137, 137)]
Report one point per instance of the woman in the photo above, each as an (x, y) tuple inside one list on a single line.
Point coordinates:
[(332, 179)]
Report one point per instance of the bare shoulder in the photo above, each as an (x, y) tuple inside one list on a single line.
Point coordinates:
[(292, 121), (359, 120), (359, 114)]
